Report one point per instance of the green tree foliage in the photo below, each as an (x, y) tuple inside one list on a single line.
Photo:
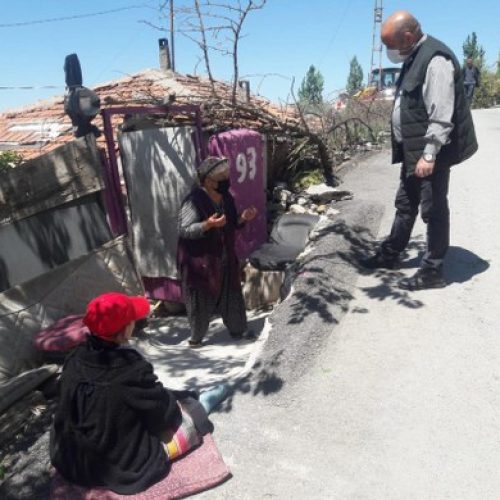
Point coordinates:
[(488, 92), (9, 159), (311, 88), (473, 50), (355, 78)]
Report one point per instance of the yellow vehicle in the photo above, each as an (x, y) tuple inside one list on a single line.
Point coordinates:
[(382, 88)]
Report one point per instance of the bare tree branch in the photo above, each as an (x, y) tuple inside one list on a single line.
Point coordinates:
[(298, 106), (324, 155), (204, 46), (200, 44), (151, 25), (237, 35), (206, 19)]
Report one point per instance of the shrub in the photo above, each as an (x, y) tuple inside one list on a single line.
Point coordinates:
[(9, 159)]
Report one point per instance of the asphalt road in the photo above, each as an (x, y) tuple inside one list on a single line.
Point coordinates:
[(364, 391)]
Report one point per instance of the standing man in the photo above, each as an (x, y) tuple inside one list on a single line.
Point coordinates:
[(471, 76), (432, 130)]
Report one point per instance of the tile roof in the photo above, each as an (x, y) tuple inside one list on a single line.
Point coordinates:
[(38, 128)]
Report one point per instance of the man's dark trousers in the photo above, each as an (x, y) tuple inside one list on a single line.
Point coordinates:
[(430, 193), (469, 91)]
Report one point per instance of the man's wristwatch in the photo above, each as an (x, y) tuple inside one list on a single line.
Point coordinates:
[(429, 157)]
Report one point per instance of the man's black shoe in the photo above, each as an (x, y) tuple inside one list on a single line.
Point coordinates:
[(379, 261), (423, 279)]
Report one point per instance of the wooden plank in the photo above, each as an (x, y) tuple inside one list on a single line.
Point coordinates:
[(17, 387), (66, 173)]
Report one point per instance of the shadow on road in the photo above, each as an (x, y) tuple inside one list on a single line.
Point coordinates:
[(263, 380), (388, 280), (164, 344), (317, 298), (362, 245), (319, 287), (388, 289), (461, 265)]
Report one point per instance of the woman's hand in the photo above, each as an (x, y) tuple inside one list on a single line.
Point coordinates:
[(248, 214), (215, 221)]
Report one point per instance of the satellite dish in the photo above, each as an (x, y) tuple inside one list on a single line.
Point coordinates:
[(80, 103)]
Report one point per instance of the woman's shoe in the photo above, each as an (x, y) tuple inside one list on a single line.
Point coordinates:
[(211, 398)]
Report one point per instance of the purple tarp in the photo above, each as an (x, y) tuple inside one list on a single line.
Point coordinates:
[(245, 151)]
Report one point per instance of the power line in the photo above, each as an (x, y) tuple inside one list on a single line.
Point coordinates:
[(335, 32), (28, 87), (69, 18), (115, 57)]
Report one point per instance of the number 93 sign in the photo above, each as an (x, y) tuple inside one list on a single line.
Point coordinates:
[(245, 165)]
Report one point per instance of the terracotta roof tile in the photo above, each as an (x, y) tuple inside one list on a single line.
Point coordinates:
[(146, 87)]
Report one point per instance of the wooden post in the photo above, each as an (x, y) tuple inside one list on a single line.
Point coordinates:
[(172, 47)]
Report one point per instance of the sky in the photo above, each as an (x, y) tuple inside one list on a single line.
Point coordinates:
[(281, 41)]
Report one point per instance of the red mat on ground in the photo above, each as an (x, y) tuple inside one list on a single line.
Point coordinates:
[(198, 471)]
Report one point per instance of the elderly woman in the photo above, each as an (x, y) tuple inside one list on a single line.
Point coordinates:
[(206, 256)]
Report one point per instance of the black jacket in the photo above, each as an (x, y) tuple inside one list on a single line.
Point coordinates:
[(414, 118), (111, 411), (477, 75), (200, 260)]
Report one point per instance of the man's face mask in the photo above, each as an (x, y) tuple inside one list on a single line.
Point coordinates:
[(396, 57), (223, 186)]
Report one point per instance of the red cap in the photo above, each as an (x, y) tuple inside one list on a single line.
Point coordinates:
[(109, 313)]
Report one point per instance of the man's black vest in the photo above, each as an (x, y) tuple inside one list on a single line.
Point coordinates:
[(414, 118)]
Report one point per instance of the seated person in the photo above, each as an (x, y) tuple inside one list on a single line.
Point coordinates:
[(112, 410)]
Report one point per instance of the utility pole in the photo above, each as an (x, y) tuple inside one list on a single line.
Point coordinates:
[(377, 43), (172, 47)]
